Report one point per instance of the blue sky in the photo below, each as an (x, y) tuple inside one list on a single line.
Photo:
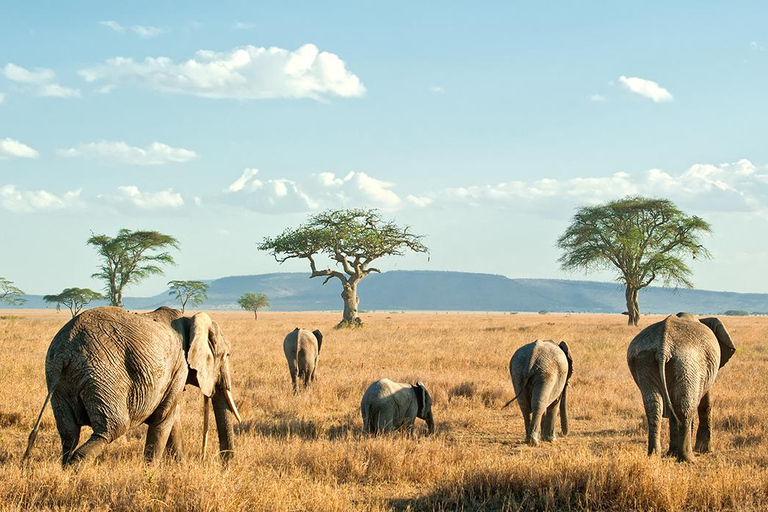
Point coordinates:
[(483, 127)]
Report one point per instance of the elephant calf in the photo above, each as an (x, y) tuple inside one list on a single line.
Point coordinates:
[(388, 406), (674, 363), (540, 372), (302, 349)]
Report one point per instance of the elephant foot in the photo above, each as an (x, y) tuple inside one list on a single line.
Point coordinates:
[(670, 453), (685, 457), (532, 441), (702, 448), (549, 439)]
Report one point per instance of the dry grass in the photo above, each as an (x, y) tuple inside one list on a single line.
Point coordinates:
[(307, 452)]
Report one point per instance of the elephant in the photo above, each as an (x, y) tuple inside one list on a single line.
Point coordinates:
[(113, 370), (388, 406), (674, 364), (302, 349), (540, 373)]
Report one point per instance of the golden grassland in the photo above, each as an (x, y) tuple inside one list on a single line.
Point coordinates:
[(307, 452)]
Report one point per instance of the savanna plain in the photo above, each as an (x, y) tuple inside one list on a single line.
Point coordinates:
[(308, 452)]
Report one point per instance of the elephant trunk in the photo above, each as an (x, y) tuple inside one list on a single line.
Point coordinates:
[(564, 411), (430, 424), (224, 424)]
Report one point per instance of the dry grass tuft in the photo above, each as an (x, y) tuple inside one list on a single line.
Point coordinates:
[(307, 452)]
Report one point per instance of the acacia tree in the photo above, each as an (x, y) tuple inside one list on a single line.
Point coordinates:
[(643, 238), (353, 239), (10, 294), (186, 291), (74, 298), (130, 257), (253, 302)]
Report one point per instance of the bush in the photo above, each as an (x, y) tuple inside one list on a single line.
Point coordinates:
[(736, 312)]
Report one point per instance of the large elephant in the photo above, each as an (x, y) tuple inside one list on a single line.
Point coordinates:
[(540, 373), (113, 370), (388, 406), (302, 349), (674, 363)]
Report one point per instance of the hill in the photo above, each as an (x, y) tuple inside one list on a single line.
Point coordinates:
[(455, 291)]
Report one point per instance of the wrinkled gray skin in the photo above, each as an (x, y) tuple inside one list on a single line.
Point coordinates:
[(540, 372), (302, 349), (674, 363), (388, 406), (113, 370)]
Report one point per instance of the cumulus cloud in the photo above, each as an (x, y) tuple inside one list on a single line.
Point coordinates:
[(246, 73), (322, 190), (39, 80), (163, 199), (118, 152), (243, 26), (647, 88), (115, 26), (10, 148), (736, 186), (147, 32), (31, 201)]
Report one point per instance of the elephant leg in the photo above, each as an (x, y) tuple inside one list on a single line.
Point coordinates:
[(66, 424), (538, 408), (685, 451), (704, 432), (525, 409), (293, 381), (549, 421), (674, 438), (157, 437), (652, 402), (306, 376), (89, 450), (175, 447)]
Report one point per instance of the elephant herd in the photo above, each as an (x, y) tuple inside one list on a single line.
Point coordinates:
[(113, 370)]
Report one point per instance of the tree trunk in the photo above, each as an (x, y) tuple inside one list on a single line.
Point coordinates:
[(255, 316), (633, 309), (351, 301)]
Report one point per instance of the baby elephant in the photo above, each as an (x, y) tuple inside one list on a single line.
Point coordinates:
[(540, 372), (388, 406), (302, 349)]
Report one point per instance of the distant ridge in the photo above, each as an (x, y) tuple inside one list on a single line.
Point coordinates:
[(453, 291)]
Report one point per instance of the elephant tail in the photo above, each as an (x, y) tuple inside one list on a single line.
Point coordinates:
[(662, 356), (33, 434), (508, 403)]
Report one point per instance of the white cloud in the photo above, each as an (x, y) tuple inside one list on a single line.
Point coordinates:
[(119, 152), (737, 186), (21, 201), (2, 98), (115, 26), (246, 73), (40, 80), (647, 88), (10, 148), (757, 46), (437, 89), (420, 201), (243, 26), (147, 32), (597, 97), (58, 91), (163, 199), (322, 190)]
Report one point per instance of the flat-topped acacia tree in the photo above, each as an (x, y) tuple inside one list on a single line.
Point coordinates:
[(10, 294), (353, 239), (645, 239)]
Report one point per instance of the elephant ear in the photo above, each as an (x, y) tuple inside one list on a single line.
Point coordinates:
[(421, 398), (564, 347), (319, 337), (727, 349), (200, 355)]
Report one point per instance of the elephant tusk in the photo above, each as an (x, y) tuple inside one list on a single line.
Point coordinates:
[(232, 406), (206, 421)]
